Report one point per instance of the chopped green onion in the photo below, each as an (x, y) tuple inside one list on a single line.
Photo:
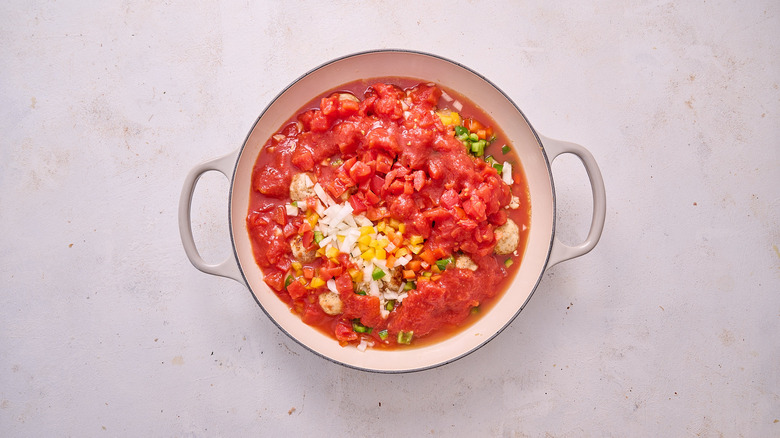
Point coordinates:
[(442, 263), (505, 149), (360, 328), (361, 292), (492, 139), (460, 130), (508, 262), (294, 203), (499, 167), (405, 337), (427, 274), (463, 137), (318, 237), (383, 335), (378, 273), (473, 137), (409, 286), (390, 305), (288, 281)]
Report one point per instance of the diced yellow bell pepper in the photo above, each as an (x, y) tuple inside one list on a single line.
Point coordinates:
[(332, 252), (316, 282)]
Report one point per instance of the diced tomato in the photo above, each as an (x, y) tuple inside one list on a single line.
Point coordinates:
[(303, 159), (377, 183), (289, 229), (344, 332), (344, 284), (371, 198), (307, 239), (360, 172), (357, 202), (280, 215), (383, 163), (296, 290), (275, 280), (330, 270), (419, 180), (313, 314), (319, 122), (348, 107), (308, 272)]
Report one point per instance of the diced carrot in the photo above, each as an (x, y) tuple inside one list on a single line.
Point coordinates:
[(435, 277), (414, 265), (390, 262), (428, 256), (409, 274)]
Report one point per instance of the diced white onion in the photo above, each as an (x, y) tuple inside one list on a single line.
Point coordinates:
[(373, 289), (291, 210), (332, 285), (326, 199), (307, 182), (457, 105), (403, 260), (506, 173), (446, 96)]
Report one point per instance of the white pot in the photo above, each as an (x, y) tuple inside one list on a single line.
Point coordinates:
[(536, 153)]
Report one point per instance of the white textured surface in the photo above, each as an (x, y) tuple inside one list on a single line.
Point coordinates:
[(668, 328)]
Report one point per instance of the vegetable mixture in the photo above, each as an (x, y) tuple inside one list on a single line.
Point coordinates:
[(389, 218)]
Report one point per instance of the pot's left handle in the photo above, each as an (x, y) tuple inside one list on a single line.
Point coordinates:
[(229, 267)]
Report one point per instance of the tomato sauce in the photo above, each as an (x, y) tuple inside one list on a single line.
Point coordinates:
[(388, 212)]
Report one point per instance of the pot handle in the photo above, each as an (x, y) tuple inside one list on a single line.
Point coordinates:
[(561, 252), (229, 267)]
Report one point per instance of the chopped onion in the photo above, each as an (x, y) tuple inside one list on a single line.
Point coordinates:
[(332, 285), (326, 199), (506, 173), (458, 106), (291, 210)]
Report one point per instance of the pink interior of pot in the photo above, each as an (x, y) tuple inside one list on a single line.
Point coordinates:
[(428, 69)]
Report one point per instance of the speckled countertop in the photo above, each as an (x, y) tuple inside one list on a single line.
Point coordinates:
[(668, 328)]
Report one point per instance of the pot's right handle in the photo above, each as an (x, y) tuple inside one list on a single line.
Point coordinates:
[(229, 267), (561, 252)]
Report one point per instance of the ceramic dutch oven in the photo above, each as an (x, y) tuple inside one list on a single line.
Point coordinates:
[(536, 154)]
